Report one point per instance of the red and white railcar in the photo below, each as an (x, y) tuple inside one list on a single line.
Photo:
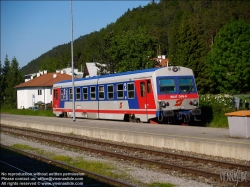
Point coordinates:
[(167, 93)]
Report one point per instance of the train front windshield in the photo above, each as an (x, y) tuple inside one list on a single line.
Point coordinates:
[(176, 85), (167, 85), (185, 85)]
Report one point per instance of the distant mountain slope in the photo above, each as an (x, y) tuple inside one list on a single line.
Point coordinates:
[(161, 20)]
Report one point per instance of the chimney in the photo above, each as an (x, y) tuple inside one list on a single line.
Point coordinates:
[(45, 71), (54, 75), (38, 75)]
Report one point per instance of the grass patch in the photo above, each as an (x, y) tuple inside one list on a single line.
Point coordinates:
[(23, 146), (157, 184), (62, 158), (36, 150), (98, 167), (219, 121), (48, 113)]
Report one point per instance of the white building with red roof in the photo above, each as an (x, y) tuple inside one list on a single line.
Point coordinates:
[(38, 89)]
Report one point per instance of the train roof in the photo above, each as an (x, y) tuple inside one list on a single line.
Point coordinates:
[(112, 75)]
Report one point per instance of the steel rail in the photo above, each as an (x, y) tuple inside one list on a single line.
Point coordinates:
[(90, 174), (158, 153), (198, 172)]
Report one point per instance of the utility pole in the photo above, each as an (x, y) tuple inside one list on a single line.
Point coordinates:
[(72, 65)]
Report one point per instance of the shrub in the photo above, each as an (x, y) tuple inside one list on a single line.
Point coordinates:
[(214, 107)]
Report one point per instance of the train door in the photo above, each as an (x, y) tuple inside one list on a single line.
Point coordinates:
[(56, 100), (145, 96)]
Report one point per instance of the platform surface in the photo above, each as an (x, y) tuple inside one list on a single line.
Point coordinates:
[(204, 140)]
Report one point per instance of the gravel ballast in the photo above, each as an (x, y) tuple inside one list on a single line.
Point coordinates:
[(140, 174)]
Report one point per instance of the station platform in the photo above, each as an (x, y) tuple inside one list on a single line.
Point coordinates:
[(203, 140)]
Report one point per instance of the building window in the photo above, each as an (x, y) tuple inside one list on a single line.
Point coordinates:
[(110, 92), (51, 91), (131, 90), (101, 92), (78, 93), (85, 93), (119, 88), (70, 94), (39, 92), (92, 92)]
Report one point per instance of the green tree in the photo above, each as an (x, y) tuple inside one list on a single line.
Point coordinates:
[(131, 50), (188, 48), (13, 78), (229, 59), (106, 64), (1, 85), (5, 71)]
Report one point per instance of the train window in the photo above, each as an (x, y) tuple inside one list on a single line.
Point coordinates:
[(92, 92), (167, 85), (142, 86), (131, 90), (62, 92), (119, 88), (78, 93), (70, 94), (185, 85), (56, 94), (66, 94), (148, 86), (110, 92), (101, 92), (85, 93)]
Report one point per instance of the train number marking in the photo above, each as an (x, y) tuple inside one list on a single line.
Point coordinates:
[(178, 102), (120, 105), (178, 96)]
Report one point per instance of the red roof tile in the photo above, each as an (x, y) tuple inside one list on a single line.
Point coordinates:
[(45, 80)]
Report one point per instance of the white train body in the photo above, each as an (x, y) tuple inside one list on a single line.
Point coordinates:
[(158, 93)]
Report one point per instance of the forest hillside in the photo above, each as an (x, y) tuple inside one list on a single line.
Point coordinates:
[(211, 37)]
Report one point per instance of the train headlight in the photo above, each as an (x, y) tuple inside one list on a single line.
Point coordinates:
[(162, 104), (195, 102), (175, 69)]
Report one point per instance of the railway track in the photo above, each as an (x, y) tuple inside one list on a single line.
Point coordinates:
[(99, 180), (77, 143)]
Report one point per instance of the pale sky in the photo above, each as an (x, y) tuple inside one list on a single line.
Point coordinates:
[(31, 28)]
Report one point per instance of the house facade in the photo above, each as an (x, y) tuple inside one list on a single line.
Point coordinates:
[(38, 89)]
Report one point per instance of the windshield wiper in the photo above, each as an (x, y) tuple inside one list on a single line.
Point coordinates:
[(190, 89)]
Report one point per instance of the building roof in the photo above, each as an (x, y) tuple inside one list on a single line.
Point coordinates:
[(92, 69), (45, 80)]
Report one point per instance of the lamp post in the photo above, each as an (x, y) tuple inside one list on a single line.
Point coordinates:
[(72, 65)]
